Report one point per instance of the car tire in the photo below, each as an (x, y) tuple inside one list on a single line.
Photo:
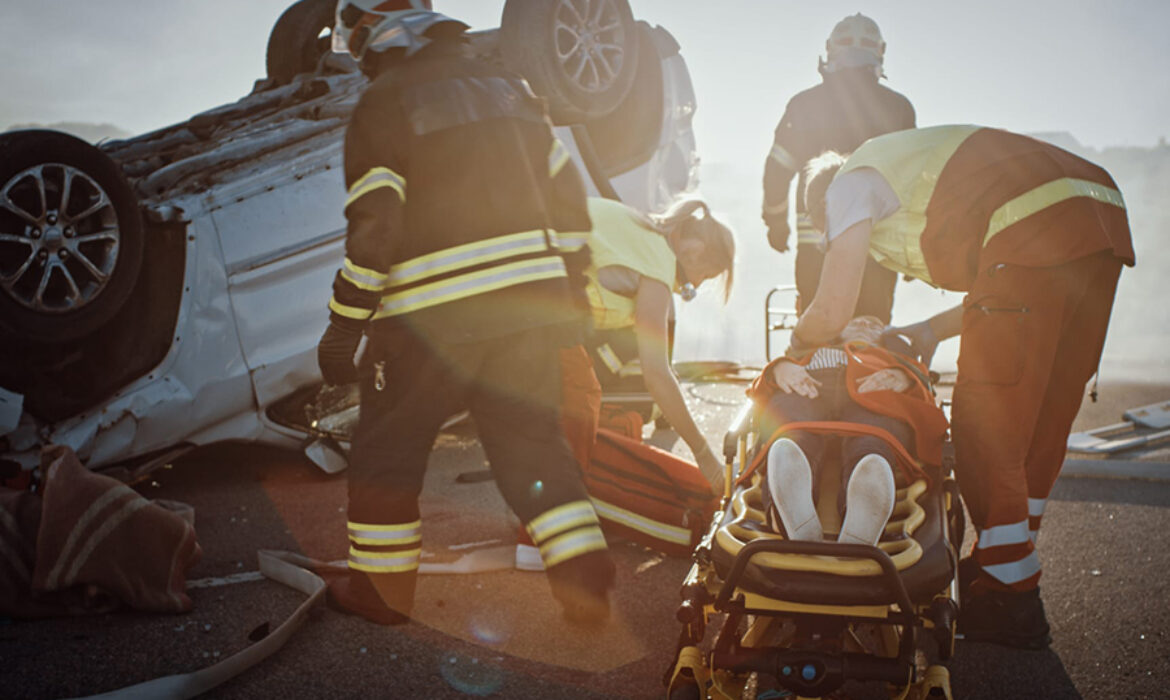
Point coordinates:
[(71, 237), (581, 55), (299, 39)]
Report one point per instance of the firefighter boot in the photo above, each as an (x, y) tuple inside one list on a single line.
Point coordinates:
[(382, 598), (1008, 618), (869, 500), (790, 482), (582, 585)]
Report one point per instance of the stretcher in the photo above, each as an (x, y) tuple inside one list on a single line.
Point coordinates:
[(763, 616)]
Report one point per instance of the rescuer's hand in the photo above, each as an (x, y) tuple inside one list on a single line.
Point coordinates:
[(923, 342), (888, 379), (335, 354), (778, 234)]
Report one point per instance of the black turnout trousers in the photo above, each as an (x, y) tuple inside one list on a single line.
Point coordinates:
[(511, 384)]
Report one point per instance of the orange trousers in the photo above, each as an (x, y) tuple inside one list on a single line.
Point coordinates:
[(580, 402), (1031, 340)]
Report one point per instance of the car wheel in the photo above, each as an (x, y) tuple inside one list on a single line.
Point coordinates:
[(579, 54), (299, 39), (70, 237)]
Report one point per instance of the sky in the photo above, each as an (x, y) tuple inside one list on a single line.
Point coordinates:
[(1099, 71)]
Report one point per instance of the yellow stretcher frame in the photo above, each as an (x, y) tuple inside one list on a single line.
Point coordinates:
[(699, 674)]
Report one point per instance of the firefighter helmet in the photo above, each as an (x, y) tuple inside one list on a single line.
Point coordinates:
[(363, 26), (855, 42)]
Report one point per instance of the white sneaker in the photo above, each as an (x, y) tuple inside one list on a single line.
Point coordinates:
[(790, 481), (869, 501)]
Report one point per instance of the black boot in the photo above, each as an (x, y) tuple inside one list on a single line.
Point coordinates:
[(582, 585), (1007, 618), (381, 598)]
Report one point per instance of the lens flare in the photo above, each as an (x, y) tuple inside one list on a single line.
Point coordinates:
[(470, 675)]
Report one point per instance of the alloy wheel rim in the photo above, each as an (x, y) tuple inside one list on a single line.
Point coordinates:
[(59, 238)]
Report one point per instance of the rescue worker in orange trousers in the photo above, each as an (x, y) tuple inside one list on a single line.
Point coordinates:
[(847, 108), (636, 262), (1036, 237), (458, 192)]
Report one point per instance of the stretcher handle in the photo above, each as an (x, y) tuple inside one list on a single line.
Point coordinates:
[(740, 426), (889, 576)]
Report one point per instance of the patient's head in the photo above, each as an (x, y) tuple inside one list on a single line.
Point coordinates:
[(867, 329)]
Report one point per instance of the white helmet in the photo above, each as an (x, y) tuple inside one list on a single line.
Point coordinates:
[(856, 41), (362, 26)]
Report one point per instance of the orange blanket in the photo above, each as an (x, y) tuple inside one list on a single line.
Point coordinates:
[(916, 406)]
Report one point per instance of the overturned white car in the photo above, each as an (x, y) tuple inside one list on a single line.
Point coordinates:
[(168, 290)]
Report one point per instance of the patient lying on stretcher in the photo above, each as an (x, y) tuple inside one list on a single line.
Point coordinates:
[(873, 404)]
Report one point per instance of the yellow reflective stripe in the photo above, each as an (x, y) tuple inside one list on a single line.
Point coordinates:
[(349, 311), (404, 533), (571, 241), (573, 544), (470, 284), (467, 255), (557, 157), (560, 519), (384, 562), (805, 231), (374, 179), (1047, 195), (609, 358), (654, 528), (783, 157), (362, 277)]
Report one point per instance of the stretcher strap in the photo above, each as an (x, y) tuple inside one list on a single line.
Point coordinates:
[(910, 466)]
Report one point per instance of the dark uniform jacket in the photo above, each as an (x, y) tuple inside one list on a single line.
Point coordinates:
[(458, 192), (840, 114)]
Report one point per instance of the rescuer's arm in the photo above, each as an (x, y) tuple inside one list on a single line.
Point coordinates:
[(925, 336), (651, 307), (837, 291), (373, 211), (779, 168)]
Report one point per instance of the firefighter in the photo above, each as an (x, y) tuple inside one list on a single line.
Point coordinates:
[(848, 107), (458, 192), (1036, 237)]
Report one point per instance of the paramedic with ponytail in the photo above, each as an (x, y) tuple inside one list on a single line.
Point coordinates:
[(637, 262), (1036, 238)]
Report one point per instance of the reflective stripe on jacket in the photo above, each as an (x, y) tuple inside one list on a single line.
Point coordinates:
[(974, 196), (458, 194)]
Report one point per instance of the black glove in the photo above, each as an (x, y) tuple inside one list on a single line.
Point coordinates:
[(923, 342), (335, 354), (778, 234)]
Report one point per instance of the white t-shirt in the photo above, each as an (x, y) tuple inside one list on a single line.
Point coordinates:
[(855, 196)]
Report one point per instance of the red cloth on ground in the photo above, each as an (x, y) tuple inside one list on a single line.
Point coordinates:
[(88, 543)]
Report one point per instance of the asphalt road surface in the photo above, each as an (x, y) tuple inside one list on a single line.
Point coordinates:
[(499, 634)]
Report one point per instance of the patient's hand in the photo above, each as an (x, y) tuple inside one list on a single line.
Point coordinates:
[(889, 379), (791, 377)]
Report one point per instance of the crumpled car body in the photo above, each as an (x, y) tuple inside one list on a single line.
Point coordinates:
[(243, 229)]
